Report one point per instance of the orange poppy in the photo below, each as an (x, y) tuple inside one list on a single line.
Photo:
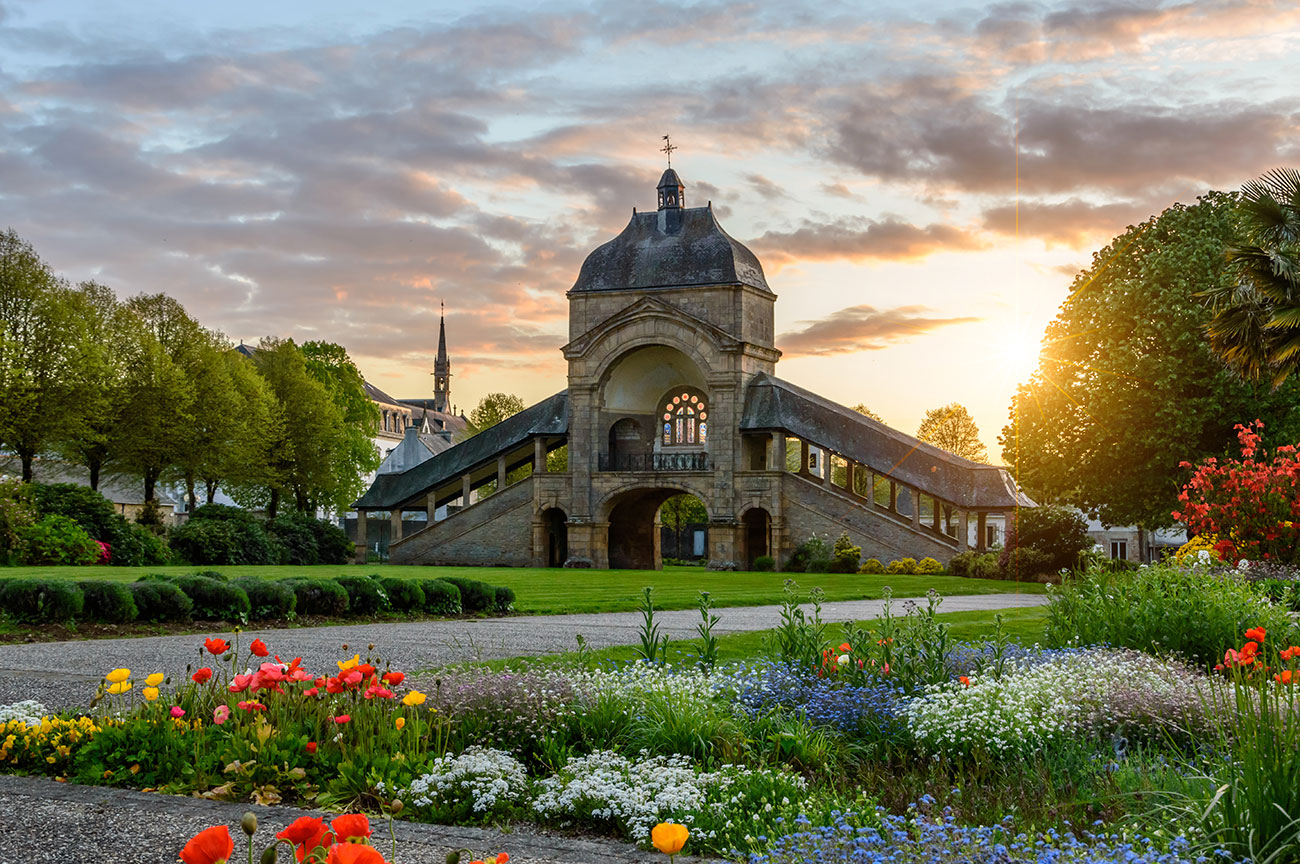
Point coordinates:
[(351, 828), (669, 838), (965, 682), (392, 679), (216, 646), (259, 648), (1284, 677), (350, 853), (1256, 634), (210, 846), (307, 833)]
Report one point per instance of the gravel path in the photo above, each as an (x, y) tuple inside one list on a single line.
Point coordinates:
[(65, 674), (50, 822)]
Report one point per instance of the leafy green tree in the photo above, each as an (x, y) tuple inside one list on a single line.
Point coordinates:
[(491, 410), (1127, 387), (681, 511), (357, 457), (862, 408), (44, 353), (245, 461), (952, 428), (1256, 325)]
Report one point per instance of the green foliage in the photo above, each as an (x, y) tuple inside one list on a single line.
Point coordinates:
[(493, 408), (158, 601), (268, 598), (680, 511), (108, 602), (304, 539), (872, 566), (1058, 534), (812, 556), (38, 601), (1162, 609), (974, 565), (475, 596), (902, 566), (319, 596), (17, 512), (219, 534), (653, 647), (130, 545), (57, 540), (708, 642), (845, 555), (404, 595), (765, 564), (366, 596), (928, 567), (440, 597), (215, 600), (503, 598), (800, 639), (952, 428), (1127, 386)]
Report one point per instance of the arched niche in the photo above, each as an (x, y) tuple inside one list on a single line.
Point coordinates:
[(636, 381)]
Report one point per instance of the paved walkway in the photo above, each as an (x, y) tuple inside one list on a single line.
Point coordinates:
[(65, 674)]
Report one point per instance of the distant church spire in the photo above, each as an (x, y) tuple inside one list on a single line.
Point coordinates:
[(442, 367)]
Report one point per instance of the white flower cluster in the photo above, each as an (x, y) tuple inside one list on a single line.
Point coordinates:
[(481, 776), (1086, 693), (29, 712), (637, 795), (637, 681)]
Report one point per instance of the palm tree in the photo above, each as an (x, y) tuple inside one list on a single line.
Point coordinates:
[(1256, 323)]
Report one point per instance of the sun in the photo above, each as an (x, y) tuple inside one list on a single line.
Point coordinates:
[(1017, 352)]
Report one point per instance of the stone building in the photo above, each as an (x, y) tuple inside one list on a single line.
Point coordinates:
[(672, 389)]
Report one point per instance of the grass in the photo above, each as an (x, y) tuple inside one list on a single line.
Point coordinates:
[(1024, 625), (547, 591)]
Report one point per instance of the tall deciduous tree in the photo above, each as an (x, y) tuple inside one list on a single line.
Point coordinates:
[(1127, 386), (330, 364), (246, 460), (1256, 326), (491, 410), (952, 428)]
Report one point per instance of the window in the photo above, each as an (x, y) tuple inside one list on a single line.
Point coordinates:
[(1119, 549), (685, 420)]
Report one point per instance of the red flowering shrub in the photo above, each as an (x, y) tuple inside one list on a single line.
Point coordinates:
[(1251, 504)]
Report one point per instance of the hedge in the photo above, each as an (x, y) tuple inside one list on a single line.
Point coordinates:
[(41, 600), (160, 601), (108, 602), (319, 596), (475, 596), (268, 598), (440, 597), (366, 596)]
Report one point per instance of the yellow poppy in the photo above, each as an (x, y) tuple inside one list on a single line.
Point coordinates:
[(150, 693), (119, 687), (117, 676), (669, 838), (345, 665), (155, 679), (415, 697), (400, 722)]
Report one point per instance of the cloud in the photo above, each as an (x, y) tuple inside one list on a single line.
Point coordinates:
[(858, 239), (862, 328), (1074, 222)]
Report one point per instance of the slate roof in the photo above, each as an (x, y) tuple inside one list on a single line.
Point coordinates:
[(772, 405), (374, 394), (670, 248), (548, 417)]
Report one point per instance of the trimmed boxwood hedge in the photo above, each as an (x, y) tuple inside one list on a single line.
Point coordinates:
[(366, 596), (214, 600), (505, 599), (108, 602), (268, 598), (158, 600), (440, 597), (404, 595), (475, 596), (41, 600), (319, 596)]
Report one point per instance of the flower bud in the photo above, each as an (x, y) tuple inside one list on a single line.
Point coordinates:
[(268, 854), (453, 857), (249, 823), (396, 806)]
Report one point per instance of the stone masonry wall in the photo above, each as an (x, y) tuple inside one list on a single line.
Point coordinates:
[(495, 531)]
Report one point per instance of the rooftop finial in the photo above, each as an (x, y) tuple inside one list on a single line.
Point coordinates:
[(668, 149)]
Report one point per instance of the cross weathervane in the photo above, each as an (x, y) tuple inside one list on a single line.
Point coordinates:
[(668, 149)]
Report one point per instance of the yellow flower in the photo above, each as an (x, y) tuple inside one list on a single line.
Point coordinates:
[(155, 679), (117, 676), (345, 665), (150, 693), (669, 838), (400, 722), (415, 697), (119, 687)]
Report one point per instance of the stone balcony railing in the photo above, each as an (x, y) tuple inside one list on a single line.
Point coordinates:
[(652, 462)]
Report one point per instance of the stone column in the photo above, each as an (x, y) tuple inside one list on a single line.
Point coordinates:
[(963, 531), (981, 531), (539, 543), (938, 515), (464, 491), (826, 468), (776, 462), (803, 456), (361, 545), (916, 508), (539, 456), (431, 507), (658, 543), (501, 473), (395, 517)]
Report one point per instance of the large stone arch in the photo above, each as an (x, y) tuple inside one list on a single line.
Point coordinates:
[(648, 328), (633, 539)]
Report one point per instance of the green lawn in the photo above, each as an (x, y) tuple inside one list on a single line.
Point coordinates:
[(557, 591), (1023, 625)]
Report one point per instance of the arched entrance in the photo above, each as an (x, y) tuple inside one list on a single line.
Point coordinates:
[(758, 534), (634, 529), (557, 536)]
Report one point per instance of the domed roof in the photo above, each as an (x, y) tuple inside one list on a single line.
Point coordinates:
[(666, 249), (670, 178)]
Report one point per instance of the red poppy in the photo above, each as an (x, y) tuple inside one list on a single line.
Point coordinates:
[(375, 690), (312, 692), (342, 718), (392, 679), (209, 846), (349, 853), (259, 648), (965, 682), (845, 648), (502, 858), (366, 670), (351, 827), (252, 706), (310, 748), (202, 676), (307, 833), (1256, 634), (216, 646)]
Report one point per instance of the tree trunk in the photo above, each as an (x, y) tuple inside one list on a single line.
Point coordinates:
[(210, 487), (274, 505), (26, 456), (95, 465), (191, 498), (150, 481)]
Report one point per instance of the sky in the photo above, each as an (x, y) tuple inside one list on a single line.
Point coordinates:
[(921, 180)]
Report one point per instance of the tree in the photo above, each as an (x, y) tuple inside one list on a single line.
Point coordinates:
[(681, 511), (952, 428), (44, 352), (1256, 323), (246, 459), (493, 408), (862, 408), (358, 456), (1127, 386)]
